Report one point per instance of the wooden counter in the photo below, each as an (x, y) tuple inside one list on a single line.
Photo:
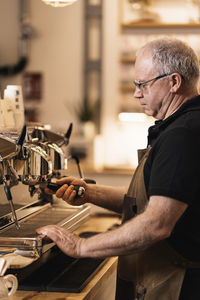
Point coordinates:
[(102, 283)]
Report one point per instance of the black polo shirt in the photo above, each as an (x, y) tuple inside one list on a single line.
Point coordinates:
[(173, 170)]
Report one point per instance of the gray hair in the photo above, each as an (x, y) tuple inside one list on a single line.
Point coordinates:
[(170, 55)]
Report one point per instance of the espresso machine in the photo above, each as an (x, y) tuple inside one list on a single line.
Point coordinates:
[(30, 161)]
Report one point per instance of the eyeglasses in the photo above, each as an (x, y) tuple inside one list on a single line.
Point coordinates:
[(141, 85)]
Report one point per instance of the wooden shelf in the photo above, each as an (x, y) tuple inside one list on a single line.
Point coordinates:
[(127, 88), (159, 25), (32, 105), (127, 60), (145, 28)]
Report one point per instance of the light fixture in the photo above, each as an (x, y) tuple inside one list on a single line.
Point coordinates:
[(59, 3)]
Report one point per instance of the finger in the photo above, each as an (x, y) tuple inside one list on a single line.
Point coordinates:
[(67, 180), (45, 239), (50, 231), (64, 239), (42, 230), (60, 192), (71, 198), (69, 192)]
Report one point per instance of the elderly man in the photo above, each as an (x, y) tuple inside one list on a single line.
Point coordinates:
[(158, 243)]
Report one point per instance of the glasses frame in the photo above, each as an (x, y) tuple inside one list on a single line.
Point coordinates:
[(139, 84)]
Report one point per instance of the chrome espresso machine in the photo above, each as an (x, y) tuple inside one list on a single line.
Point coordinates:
[(30, 161)]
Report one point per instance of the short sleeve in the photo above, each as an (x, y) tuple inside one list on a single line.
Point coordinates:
[(175, 166)]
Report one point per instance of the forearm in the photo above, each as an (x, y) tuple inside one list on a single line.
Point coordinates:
[(154, 224), (131, 237), (106, 196)]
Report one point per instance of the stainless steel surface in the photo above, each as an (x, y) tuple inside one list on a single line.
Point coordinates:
[(8, 147), (33, 158), (26, 237), (52, 143), (57, 156), (36, 162), (21, 161), (14, 214), (22, 211)]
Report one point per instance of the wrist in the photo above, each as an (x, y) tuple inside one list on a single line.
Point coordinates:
[(87, 194), (81, 247)]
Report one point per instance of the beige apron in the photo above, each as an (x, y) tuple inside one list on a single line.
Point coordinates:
[(156, 273)]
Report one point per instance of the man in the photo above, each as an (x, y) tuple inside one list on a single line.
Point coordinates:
[(158, 243)]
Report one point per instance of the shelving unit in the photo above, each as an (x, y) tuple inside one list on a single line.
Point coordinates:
[(159, 25), (137, 31), (93, 56)]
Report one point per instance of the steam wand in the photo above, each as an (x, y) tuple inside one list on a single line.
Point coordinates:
[(9, 197), (87, 180)]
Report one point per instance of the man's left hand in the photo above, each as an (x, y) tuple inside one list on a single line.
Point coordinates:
[(67, 241)]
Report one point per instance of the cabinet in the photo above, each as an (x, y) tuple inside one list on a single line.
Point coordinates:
[(134, 34)]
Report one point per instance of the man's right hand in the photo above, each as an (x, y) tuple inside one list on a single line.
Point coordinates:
[(67, 192)]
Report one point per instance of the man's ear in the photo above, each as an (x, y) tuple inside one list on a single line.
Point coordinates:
[(175, 82)]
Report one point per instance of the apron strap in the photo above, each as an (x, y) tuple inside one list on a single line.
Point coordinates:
[(129, 208)]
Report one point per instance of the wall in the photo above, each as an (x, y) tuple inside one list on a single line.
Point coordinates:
[(9, 32), (56, 50), (121, 140)]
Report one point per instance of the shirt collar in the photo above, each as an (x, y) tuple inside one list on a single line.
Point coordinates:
[(160, 125)]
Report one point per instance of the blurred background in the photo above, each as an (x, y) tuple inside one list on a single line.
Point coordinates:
[(76, 63)]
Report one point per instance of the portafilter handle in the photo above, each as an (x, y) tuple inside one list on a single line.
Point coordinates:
[(80, 190)]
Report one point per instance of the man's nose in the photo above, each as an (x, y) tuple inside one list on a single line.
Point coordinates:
[(137, 92)]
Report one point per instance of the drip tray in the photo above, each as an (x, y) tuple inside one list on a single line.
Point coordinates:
[(26, 238), (58, 273), (5, 208), (65, 274)]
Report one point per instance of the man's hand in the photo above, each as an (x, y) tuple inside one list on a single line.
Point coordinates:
[(104, 196), (67, 241), (67, 192)]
